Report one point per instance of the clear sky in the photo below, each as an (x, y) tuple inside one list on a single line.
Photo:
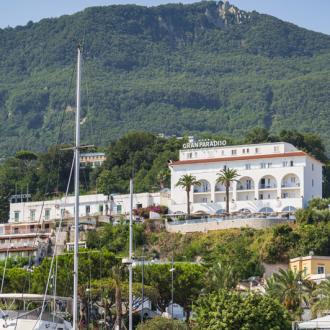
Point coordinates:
[(311, 14)]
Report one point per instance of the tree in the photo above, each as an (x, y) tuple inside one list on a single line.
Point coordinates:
[(277, 245), (102, 294), (114, 237), (161, 323), (234, 249), (150, 293), (257, 135), (157, 276), (226, 177), (186, 182), (112, 293), (188, 283), (230, 310), (321, 295), (291, 290), (162, 177), (104, 182), (26, 156), (319, 203), (54, 169), (221, 276)]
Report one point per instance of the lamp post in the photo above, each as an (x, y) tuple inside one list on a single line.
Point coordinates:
[(172, 285), (300, 285), (142, 280)]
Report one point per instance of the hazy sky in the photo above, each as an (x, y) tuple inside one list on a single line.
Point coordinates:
[(311, 14)]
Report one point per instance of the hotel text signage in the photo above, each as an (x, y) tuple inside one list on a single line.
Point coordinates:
[(204, 144)]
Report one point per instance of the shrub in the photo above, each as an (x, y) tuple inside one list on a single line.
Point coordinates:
[(144, 211), (160, 323), (319, 203), (229, 310)]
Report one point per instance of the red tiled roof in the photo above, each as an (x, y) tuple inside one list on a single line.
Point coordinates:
[(227, 159)]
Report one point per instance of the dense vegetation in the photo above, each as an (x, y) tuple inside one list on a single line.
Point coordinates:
[(172, 69), (226, 310), (207, 287), (45, 175), (244, 249)]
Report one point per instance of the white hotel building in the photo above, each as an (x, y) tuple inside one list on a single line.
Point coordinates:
[(90, 207), (273, 177)]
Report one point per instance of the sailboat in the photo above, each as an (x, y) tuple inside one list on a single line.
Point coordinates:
[(38, 319)]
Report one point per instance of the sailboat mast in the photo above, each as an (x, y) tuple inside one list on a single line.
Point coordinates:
[(130, 268), (76, 191)]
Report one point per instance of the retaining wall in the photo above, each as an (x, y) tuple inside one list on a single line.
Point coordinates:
[(256, 223)]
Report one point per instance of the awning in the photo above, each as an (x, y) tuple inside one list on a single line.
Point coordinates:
[(319, 323)]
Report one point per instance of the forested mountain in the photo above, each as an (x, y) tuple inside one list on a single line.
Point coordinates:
[(174, 69)]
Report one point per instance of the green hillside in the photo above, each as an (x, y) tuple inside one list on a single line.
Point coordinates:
[(173, 69)]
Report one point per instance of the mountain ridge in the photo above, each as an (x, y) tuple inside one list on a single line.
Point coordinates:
[(168, 69)]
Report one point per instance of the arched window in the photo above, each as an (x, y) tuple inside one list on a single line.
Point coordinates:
[(220, 187), (290, 181), (203, 187), (267, 182), (266, 210), (245, 183)]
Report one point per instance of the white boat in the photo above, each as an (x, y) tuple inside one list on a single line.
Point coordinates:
[(39, 318), (25, 320)]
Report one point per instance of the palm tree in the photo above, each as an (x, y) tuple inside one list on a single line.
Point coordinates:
[(186, 182), (221, 276), (226, 177), (321, 295), (291, 289), (162, 177)]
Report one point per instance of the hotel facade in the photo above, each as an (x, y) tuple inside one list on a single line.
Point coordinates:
[(31, 226), (273, 177), (91, 207)]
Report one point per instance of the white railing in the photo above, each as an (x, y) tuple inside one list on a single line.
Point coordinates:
[(245, 187), (267, 185), (290, 185), (19, 245), (27, 232), (226, 218)]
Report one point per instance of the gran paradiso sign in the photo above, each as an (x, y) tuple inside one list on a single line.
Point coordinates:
[(204, 144)]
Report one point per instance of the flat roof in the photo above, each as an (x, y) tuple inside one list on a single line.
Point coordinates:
[(238, 145), (309, 258), (91, 154), (227, 159)]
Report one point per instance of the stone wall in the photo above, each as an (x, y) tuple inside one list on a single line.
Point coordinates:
[(256, 223)]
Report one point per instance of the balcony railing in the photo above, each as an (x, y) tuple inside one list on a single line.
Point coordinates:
[(245, 187), (267, 186), (26, 232), (19, 245), (202, 191), (290, 185)]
